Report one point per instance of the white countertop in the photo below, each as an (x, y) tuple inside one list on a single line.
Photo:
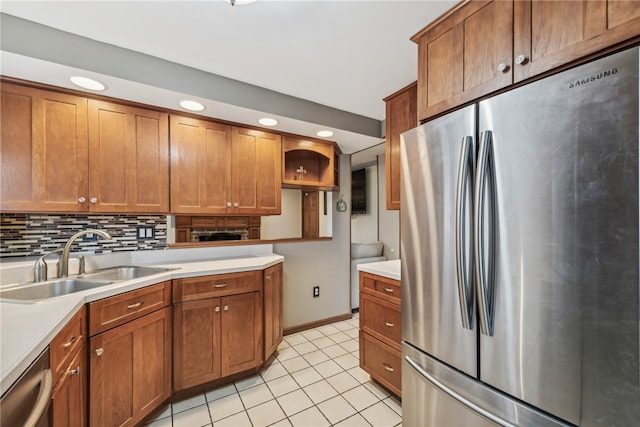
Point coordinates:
[(27, 329), (389, 269)]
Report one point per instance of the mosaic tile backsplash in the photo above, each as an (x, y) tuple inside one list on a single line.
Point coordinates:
[(23, 235)]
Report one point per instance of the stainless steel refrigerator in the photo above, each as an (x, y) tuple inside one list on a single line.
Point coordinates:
[(520, 256)]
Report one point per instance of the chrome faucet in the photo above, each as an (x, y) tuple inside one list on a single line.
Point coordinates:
[(40, 267), (63, 271)]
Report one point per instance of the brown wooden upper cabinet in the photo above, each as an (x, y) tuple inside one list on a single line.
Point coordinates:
[(220, 169), (65, 153), (128, 159), (479, 47), (310, 163), (44, 151), (401, 116)]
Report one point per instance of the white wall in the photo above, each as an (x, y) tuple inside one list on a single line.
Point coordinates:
[(322, 263), (364, 227), (388, 221), (289, 223)]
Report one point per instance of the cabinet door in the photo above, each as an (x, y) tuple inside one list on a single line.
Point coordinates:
[(200, 167), (548, 34), (401, 116), (130, 370), (196, 344), (69, 398), (269, 177), (128, 159), (465, 56), (43, 154), (256, 172), (242, 344), (272, 309)]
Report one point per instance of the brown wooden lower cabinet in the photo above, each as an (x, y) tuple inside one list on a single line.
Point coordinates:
[(69, 397), (273, 288), (130, 370), (216, 337), (68, 360), (380, 330), (382, 362)]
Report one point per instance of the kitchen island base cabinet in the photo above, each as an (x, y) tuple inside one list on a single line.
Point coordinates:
[(130, 370)]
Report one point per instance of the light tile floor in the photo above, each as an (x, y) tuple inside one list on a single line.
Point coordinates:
[(315, 381)]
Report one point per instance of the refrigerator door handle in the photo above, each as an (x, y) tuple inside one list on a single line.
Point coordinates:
[(466, 402), (484, 246), (465, 292)]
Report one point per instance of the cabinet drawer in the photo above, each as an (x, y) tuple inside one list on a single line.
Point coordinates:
[(381, 319), (114, 311), (196, 288), (382, 362), (66, 343), (382, 287)]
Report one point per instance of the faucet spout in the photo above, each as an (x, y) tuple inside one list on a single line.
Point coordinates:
[(63, 271)]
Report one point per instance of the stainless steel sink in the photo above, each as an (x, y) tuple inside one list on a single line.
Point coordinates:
[(54, 288), (125, 272), (34, 292)]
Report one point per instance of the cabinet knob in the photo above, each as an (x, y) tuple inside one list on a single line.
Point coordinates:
[(81, 199), (99, 351), (93, 200), (74, 371), (236, 204), (268, 277), (502, 67), (217, 309), (521, 59), (229, 204), (226, 307)]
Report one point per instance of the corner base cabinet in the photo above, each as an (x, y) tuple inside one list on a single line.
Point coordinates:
[(380, 330), (217, 324)]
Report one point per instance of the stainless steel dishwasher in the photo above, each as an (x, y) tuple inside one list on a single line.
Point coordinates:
[(26, 403)]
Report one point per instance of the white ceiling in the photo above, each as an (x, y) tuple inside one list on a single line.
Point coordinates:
[(347, 55)]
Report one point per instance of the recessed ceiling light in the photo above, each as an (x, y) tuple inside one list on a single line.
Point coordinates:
[(87, 83), (191, 105), (239, 2), (268, 121), (324, 133)]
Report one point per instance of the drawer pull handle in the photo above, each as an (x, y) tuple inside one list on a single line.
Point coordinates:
[(74, 371), (387, 367), (220, 285), (389, 324), (388, 290), (136, 305), (70, 343), (99, 351)]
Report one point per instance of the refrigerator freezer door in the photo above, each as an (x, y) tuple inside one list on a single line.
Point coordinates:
[(435, 395), (566, 328), (432, 156)]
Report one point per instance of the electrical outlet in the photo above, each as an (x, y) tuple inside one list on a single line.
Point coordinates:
[(145, 232), (316, 291)]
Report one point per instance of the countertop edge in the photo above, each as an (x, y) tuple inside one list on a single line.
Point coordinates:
[(66, 307), (389, 269)]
